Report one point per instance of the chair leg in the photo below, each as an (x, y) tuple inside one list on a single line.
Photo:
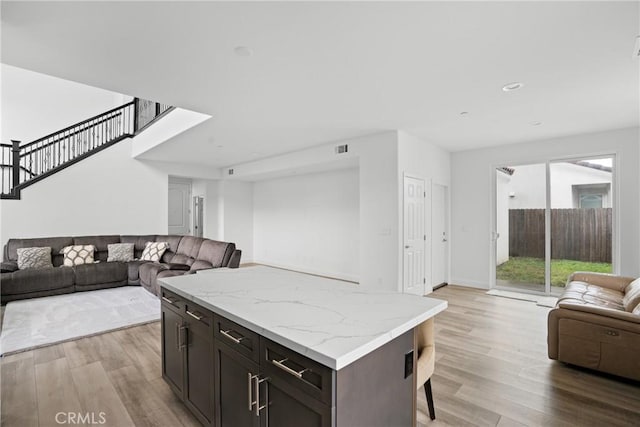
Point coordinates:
[(429, 393)]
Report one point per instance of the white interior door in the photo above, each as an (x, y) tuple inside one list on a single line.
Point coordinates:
[(440, 238), (179, 209), (414, 236)]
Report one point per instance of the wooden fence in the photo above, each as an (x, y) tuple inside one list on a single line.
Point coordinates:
[(576, 234)]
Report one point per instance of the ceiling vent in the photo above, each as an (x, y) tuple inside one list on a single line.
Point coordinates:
[(230, 171), (342, 149), (636, 48)]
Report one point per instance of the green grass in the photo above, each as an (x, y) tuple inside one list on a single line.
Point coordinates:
[(531, 270)]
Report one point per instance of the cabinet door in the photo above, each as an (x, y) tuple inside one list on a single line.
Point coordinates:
[(199, 373), (235, 391), (172, 357), (288, 407)]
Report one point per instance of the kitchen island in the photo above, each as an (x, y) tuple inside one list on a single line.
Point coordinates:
[(260, 346)]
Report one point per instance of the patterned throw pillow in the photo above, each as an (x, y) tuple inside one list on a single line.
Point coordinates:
[(78, 254), (122, 252), (34, 258), (153, 251)]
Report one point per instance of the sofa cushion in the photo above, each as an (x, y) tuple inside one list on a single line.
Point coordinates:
[(187, 250), (34, 258), (34, 280), (78, 254), (139, 242), (153, 251), (584, 293), (100, 242), (213, 254), (174, 242), (104, 272), (632, 295), (122, 252), (55, 243)]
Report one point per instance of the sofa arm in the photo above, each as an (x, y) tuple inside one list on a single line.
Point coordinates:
[(618, 283), (234, 261), (9, 266)]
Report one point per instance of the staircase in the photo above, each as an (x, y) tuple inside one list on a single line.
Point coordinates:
[(25, 164)]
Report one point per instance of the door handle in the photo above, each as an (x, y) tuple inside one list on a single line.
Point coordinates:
[(406, 246), (257, 382), (444, 240)]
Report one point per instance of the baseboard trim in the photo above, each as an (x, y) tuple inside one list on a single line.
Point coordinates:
[(469, 283)]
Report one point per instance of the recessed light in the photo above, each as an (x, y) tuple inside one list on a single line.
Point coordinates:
[(243, 51), (512, 86), (535, 123)]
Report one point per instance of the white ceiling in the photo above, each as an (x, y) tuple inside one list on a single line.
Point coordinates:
[(323, 72)]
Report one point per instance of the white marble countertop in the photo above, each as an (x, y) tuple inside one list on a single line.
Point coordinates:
[(330, 321)]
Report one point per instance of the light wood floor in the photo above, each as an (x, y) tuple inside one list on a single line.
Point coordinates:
[(491, 370)]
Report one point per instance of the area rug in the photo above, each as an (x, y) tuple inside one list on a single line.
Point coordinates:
[(541, 300), (39, 322)]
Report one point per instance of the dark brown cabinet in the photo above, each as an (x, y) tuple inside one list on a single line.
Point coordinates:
[(230, 376), (187, 365)]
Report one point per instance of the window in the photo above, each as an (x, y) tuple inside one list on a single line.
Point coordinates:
[(588, 201)]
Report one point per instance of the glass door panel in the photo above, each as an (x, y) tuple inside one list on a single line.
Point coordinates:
[(581, 217), (521, 200)]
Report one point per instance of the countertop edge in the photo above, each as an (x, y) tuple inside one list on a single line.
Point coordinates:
[(330, 362)]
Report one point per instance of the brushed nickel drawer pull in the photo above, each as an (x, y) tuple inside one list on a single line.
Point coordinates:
[(231, 337), (194, 315), (170, 301), (280, 364)]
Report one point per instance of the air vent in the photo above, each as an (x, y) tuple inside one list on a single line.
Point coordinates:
[(636, 48), (230, 171), (342, 149)]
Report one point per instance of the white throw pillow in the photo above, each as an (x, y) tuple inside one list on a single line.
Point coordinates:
[(122, 252), (78, 255), (34, 258), (153, 251)]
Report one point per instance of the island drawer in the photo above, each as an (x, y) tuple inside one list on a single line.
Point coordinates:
[(237, 337), (199, 318), (296, 370), (172, 301)]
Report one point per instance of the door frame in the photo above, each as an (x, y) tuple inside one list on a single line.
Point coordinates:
[(547, 161), (427, 207), (447, 219)]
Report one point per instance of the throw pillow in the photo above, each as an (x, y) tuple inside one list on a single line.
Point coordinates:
[(631, 295), (34, 258), (153, 251), (122, 252), (77, 255)]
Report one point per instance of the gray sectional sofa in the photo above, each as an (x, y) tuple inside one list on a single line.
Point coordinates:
[(185, 255)]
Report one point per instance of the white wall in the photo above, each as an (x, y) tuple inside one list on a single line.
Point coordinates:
[(421, 159), (107, 193), (239, 217), (309, 223), (35, 105), (472, 197)]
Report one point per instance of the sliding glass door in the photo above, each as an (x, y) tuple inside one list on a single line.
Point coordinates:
[(552, 219)]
